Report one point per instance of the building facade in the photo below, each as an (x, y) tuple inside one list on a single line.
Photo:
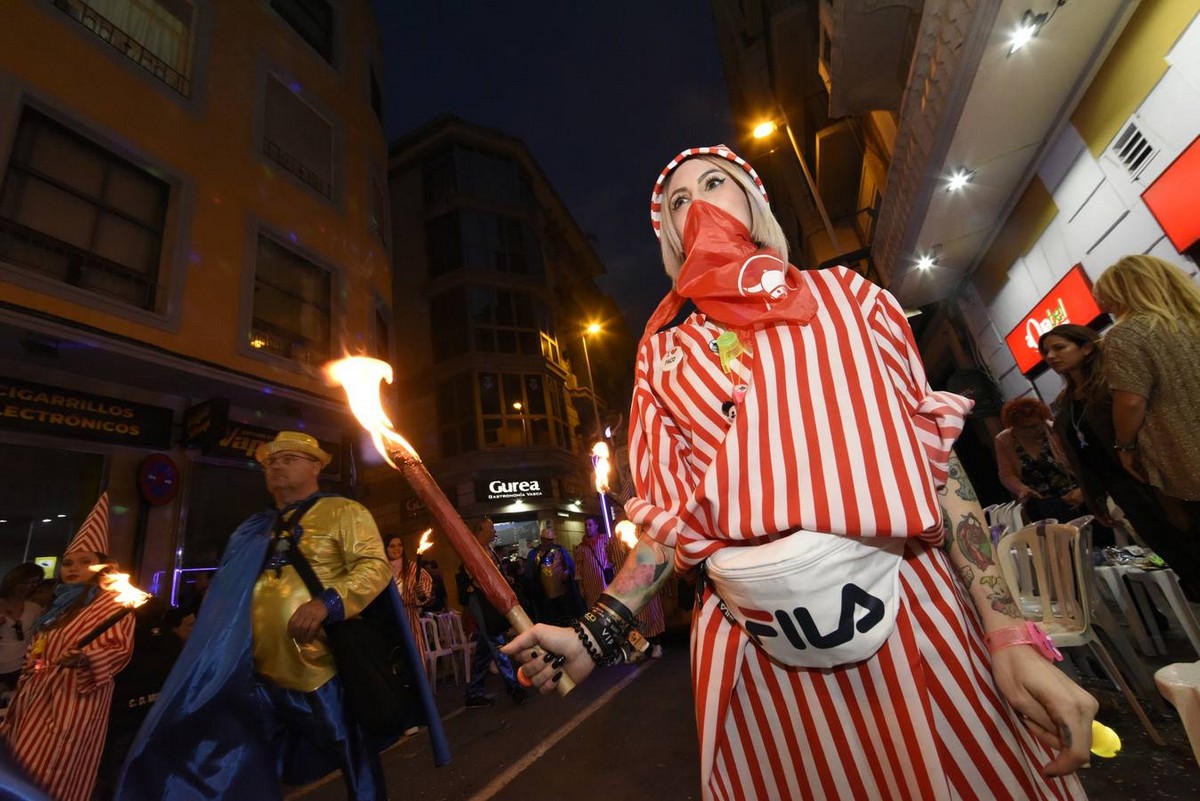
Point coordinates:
[(494, 291), (192, 221), (974, 175)]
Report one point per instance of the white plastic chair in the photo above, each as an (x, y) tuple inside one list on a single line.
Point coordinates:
[(1057, 594), (1180, 684), (434, 650), (451, 629)]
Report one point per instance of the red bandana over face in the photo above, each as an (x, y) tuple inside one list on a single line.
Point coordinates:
[(730, 279)]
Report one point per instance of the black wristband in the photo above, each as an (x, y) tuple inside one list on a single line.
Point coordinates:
[(618, 608), (596, 655)]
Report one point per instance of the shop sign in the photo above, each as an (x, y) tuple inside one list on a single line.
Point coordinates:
[(43, 409), (1070, 301), (205, 423), (1172, 198), (241, 441), (511, 489)]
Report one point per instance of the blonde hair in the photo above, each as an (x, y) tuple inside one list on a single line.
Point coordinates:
[(1150, 287), (764, 228)]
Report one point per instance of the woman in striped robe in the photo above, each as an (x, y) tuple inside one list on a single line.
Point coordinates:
[(56, 723), (415, 586), (796, 400)]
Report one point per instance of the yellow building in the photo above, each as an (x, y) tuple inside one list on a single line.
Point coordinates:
[(192, 220)]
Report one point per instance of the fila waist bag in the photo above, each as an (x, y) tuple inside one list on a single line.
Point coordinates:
[(809, 599)]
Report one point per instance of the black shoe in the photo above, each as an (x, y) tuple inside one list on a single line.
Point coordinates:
[(518, 695), (480, 701)]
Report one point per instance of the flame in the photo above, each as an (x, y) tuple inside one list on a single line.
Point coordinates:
[(426, 541), (601, 465), (360, 377), (627, 531), (127, 594)]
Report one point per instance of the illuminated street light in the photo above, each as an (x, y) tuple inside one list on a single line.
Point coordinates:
[(765, 129), (592, 328)]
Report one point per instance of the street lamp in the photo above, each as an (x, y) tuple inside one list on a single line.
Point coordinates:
[(765, 129), (593, 328)]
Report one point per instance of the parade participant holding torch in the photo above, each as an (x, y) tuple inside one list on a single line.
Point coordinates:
[(787, 447), (57, 720), (256, 691)]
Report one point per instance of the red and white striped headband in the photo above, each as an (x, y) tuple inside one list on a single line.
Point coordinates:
[(656, 199)]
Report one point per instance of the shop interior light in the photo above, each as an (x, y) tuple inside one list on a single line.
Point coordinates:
[(1031, 25), (926, 261), (959, 178)]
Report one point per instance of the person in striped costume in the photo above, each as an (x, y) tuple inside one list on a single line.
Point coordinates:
[(414, 583), (56, 723), (789, 406)]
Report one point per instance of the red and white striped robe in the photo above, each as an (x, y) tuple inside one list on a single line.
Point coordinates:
[(416, 588), (838, 432), (590, 562), (58, 718)]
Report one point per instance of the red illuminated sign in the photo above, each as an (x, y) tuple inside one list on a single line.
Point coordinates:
[(1172, 198), (1070, 301)]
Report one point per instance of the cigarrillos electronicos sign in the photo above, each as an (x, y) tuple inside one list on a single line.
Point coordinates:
[(43, 409)]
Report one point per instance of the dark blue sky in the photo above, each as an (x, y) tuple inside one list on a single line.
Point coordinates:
[(603, 93)]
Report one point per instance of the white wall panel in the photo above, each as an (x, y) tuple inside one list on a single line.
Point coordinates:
[(1048, 385), (1184, 57), (1136, 233), (1061, 157), (1078, 185), (1014, 385), (1172, 114), (1014, 299), (1041, 276), (1095, 220)]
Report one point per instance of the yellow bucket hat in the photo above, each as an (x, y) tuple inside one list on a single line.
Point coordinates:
[(292, 442)]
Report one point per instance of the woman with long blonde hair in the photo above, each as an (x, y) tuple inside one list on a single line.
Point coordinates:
[(1152, 360)]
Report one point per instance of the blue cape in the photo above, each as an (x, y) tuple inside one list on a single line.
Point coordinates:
[(202, 738)]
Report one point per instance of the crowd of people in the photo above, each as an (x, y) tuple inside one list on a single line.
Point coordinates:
[(1123, 436), (795, 500)]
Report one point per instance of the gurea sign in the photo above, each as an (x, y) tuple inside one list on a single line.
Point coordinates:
[(1070, 301), (500, 489)]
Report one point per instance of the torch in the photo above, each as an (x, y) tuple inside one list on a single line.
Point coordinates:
[(600, 465), (426, 541), (360, 377), (129, 596)]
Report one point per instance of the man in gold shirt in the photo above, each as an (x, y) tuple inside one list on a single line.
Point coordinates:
[(339, 539), (256, 693)]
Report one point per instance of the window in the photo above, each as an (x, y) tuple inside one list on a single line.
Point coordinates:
[(154, 34), (381, 334), (481, 241), (312, 19), (377, 221), (456, 169), (487, 319), (376, 94), (515, 410), (291, 305), (75, 212), (297, 138), (456, 415)]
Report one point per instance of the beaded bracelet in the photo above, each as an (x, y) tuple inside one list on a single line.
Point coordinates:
[(592, 651)]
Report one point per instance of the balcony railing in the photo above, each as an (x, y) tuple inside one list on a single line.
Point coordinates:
[(122, 42), (297, 168), (72, 265)]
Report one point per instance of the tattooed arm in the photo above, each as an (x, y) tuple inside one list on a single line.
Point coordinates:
[(969, 545), (645, 571), (1050, 705)]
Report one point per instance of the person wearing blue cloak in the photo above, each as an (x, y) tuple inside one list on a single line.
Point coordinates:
[(255, 699)]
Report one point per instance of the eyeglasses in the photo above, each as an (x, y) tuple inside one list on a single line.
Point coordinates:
[(287, 460)]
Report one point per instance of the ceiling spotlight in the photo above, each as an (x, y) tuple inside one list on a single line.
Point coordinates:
[(959, 178), (926, 261), (1028, 28)]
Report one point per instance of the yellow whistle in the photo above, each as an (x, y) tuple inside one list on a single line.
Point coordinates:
[(1105, 742)]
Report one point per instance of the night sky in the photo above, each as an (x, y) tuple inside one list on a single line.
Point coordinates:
[(604, 94)]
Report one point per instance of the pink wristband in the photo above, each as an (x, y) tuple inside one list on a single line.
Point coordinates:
[(1027, 633)]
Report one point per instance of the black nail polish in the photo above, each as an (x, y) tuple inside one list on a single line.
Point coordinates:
[(548, 658), (559, 662), (556, 676)]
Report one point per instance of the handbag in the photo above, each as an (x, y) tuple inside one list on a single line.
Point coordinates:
[(810, 599), (369, 652)]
